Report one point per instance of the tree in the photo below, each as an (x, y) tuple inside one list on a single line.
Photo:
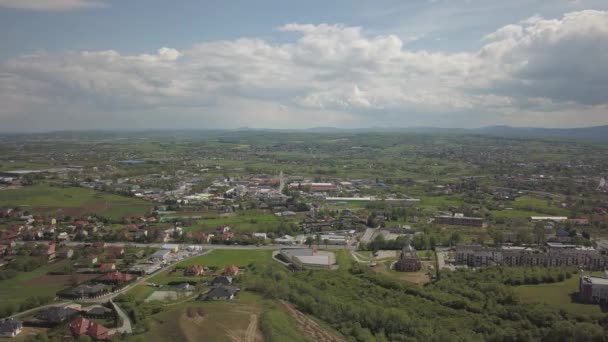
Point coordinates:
[(309, 241)]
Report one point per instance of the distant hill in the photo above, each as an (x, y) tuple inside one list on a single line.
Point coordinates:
[(597, 133), (591, 134)]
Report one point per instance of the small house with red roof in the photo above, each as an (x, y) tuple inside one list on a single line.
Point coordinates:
[(116, 278), (107, 267), (82, 326), (116, 252), (194, 270), (231, 270)]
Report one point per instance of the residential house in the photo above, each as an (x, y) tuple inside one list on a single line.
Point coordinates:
[(56, 314), (100, 312), (194, 270), (221, 280), (92, 259), (174, 248), (10, 327), (116, 252), (221, 293), (82, 326), (66, 254), (85, 291), (116, 278), (231, 270), (50, 251), (107, 267)]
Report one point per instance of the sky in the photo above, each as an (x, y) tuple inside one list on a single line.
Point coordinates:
[(157, 64)]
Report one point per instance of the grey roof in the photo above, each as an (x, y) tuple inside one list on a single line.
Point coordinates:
[(99, 311), (183, 286), (10, 325), (56, 314), (221, 292), (86, 289), (222, 280), (298, 251)]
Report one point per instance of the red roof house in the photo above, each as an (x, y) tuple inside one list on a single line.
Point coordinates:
[(116, 277), (231, 270), (108, 267), (116, 251), (82, 326), (194, 270)]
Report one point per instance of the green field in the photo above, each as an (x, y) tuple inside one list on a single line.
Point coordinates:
[(72, 201), (277, 327), (533, 204), (210, 321), (514, 213), (557, 295), (440, 202), (243, 222), (222, 258), (140, 292), (25, 285)]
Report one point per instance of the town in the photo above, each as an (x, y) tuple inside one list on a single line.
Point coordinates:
[(103, 245)]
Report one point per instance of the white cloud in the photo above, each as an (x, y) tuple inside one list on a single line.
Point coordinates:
[(325, 75), (51, 5)]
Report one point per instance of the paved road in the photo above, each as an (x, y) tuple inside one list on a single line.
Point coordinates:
[(126, 321), (354, 255), (202, 246), (29, 311)]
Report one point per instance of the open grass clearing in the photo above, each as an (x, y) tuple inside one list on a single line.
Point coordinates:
[(35, 283), (223, 258), (72, 201), (558, 295)]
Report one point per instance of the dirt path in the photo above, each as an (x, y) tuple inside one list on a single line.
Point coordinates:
[(252, 329), (309, 327)]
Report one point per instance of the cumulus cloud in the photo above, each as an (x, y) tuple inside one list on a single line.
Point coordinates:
[(327, 75), (51, 5), (559, 59)]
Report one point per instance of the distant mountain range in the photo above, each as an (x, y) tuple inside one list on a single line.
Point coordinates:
[(591, 134), (596, 133)]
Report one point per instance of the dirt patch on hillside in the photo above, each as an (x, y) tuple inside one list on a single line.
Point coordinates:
[(234, 322), (309, 327)]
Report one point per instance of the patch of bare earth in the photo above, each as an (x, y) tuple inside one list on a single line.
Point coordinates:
[(252, 333), (192, 317), (308, 327)]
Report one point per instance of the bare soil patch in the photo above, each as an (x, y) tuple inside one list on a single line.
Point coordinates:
[(309, 327)]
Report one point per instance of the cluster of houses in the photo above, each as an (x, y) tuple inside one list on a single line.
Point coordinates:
[(77, 321)]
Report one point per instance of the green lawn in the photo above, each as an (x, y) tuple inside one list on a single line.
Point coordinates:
[(243, 222), (205, 321), (515, 213), (73, 201), (528, 203), (278, 326), (440, 202), (140, 292), (557, 295), (222, 258), (343, 259)]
